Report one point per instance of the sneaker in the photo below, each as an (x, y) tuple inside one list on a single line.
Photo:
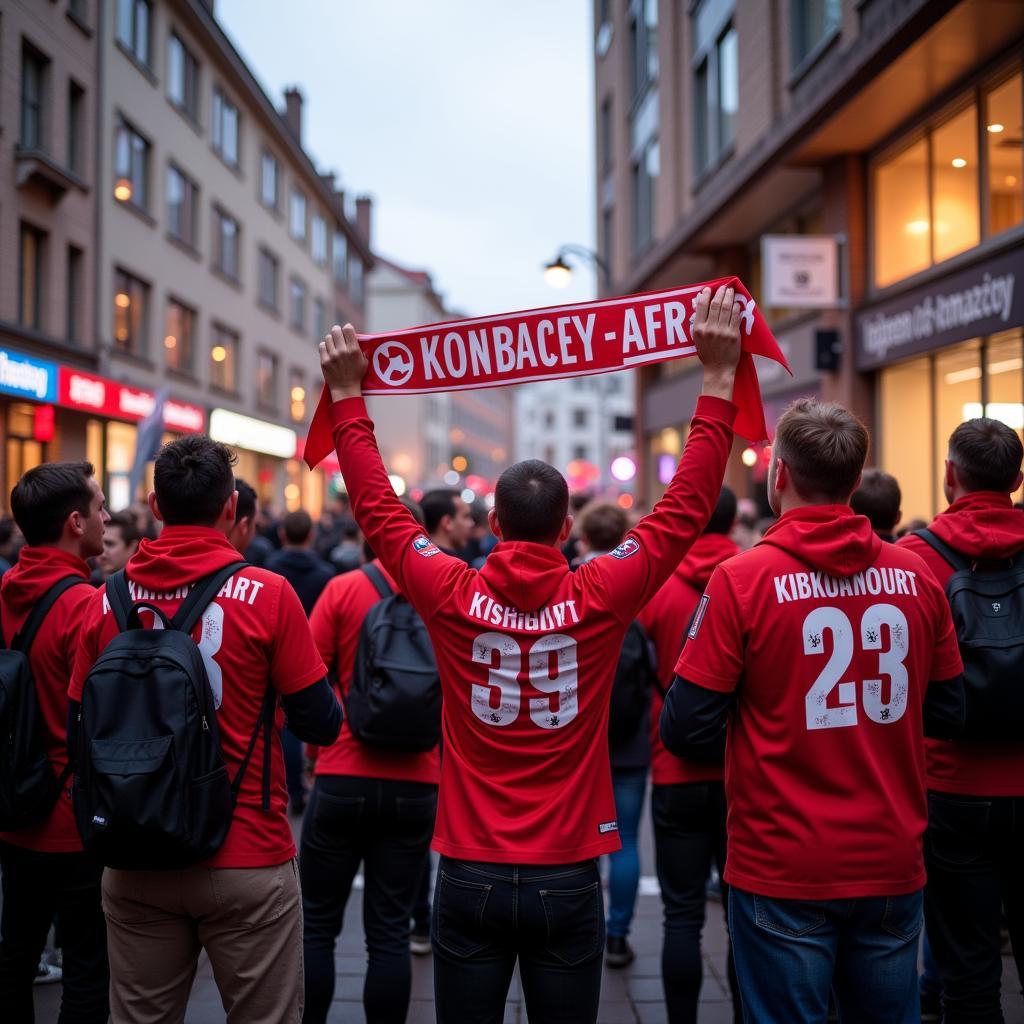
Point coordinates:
[(931, 1007), (47, 974), (618, 952), (419, 944)]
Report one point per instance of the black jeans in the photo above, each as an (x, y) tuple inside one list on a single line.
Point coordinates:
[(689, 835), (486, 916), (387, 826), (35, 886), (974, 853)]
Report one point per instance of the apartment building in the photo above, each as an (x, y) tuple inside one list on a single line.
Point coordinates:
[(879, 138)]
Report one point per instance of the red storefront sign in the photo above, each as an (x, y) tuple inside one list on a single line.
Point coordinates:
[(85, 391)]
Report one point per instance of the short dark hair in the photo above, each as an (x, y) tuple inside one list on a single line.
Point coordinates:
[(246, 507), (531, 501), (125, 522), (879, 498), (44, 497), (987, 455), (193, 478), (603, 525), (824, 447), (724, 516), (297, 526), (436, 505)]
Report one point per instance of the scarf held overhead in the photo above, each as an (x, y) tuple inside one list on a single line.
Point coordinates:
[(547, 344)]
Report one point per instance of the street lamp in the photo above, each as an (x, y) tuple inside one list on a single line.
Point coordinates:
[(558, 273)]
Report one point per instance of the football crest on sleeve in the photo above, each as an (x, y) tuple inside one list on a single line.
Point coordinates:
[(630, 546), (424, 546), (698, 617)]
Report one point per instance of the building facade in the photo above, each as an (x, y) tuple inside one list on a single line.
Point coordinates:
[(891, 127)]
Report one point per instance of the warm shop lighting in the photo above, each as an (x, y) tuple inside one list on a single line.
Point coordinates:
[(397, 483), (123, 190), (1005, 366), (623, 468), (959, 161), (291, 492), (749, 458), (402, 463), (625, 500), (557, 273), (218, 353), (1011, 180), (298, 393), (122, 300), (468, 495), (962, 376), (995, 128), (298, 411), (916, 227), (460, 463), (170, 341)]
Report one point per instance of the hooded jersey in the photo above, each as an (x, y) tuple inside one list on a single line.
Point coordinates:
[(51, 657), (337, 623), (527, 652), (829, 639), (254, 634), (986, 526), (666, 618)]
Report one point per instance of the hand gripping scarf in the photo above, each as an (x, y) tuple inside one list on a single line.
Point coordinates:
[(548, 344)]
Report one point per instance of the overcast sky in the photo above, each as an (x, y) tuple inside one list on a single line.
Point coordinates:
[(469, 123)]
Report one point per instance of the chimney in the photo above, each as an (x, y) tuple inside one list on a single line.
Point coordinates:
[(293, 112), (364, 208)]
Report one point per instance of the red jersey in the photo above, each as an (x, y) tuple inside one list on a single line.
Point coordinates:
[(983, 525), (527, 652), (829, 639), (51, 657), (336, 622), (253, 635), (666, 618)]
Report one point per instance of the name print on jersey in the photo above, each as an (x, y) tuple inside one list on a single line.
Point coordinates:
[(486, 609), (802, 586)]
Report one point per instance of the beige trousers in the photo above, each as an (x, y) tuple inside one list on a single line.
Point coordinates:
[(249, 921)]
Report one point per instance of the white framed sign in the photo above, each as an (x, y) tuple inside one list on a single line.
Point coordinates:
[(800, 271)]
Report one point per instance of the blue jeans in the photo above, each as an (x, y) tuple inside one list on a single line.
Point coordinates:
[(790, 953), (628, 785)]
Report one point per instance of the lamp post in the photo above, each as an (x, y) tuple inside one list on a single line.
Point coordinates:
[(558, 273)]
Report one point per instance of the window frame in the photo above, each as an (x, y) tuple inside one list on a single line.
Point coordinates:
[(190, 198), (39, 237), (231, 341), (319, 252), (265, 156), (188, 103), (134, 287), (297, 196), (125, 126), (298, 293), (221, 104), (269, 401), (32, 57), (186, 366), (130, 45), (269, 260), (710, 151)]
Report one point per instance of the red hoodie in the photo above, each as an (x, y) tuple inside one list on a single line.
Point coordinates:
[(666, 619), (51, 658), (829, 639), (254, 634), (527, 652), (983, 525)]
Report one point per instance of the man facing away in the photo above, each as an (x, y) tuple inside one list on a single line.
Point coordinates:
[(242, 905), (526, 652), (296, 560), (60, 509), (879, 498), (834, 652), (974, 848)]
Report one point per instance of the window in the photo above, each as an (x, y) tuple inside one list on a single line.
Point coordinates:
[(606, 135), (133, 20), (814, 22), (645, 176), (643, 45), (268, 279), (178, 329), (580, 418), (76, 127), (74, 293), (131, 167), (608, 239), (224, 359), (80, 9), (622, 424), (580, 452), (297, 215), (183, 77), (33, 85), (297, 395), (728, 88), (225, 128), (266, 379), (30, 290), (225, 243), (320, 325), (182, 202), (1003, 123), (716, 82), (355, 277), (319, 240), (955, 214), (297, 304), (339, 258), (268, 180), (131, 309)]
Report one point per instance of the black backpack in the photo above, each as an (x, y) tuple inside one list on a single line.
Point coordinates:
[(151, 789), (635, 674), (988, 614), (29, 786), (394, 699)]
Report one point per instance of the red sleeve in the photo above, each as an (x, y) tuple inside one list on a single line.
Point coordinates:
[(75, 604), (946, 662), (90, 627), (421, 570), (713, 654), (634, 572), (294, 661), (323, 626)]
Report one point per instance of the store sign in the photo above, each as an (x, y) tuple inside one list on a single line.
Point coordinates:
[(252, 434), (89, 393), (800, 271), (27, 378), (984, 299)]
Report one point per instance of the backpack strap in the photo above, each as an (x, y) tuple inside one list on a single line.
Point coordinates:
[(119, 598), (23, 640), (202, 593), (376, 577), (264, 723), (954, 558)]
